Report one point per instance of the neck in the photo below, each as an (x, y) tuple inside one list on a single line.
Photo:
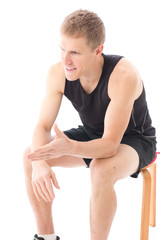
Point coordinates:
[(94, 74), (90, 82)]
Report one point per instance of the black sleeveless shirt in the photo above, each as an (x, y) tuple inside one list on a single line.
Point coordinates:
[(92, 107)]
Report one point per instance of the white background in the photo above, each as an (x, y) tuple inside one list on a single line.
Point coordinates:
[(29, 38)]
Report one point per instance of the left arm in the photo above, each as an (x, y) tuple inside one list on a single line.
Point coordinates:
[(127, 89)]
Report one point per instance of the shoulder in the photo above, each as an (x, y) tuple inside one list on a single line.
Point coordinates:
[(56, 77), (126, 70), (125, 78)]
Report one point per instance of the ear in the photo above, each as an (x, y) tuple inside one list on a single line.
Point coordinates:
[(99, 50)]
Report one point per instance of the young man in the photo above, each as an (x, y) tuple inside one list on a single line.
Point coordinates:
[(116, 139)]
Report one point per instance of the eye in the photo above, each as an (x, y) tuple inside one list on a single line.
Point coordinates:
[(62, 49), (75, 53)]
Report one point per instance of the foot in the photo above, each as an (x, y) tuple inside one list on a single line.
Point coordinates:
[(40, 238)]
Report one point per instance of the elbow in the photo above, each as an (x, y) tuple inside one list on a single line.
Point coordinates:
[(114, 148), (114, 151), (111, 150)]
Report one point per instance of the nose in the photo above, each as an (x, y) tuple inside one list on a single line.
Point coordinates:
[(66, 58)]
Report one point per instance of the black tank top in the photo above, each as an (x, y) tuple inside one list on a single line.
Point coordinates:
[(92, 107)]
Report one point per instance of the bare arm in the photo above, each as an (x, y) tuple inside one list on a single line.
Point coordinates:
[(42, 174), (50, 107), (124, 88)]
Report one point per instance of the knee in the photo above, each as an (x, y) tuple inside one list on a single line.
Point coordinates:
[(103, 173)]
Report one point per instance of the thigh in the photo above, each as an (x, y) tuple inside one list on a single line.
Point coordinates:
[(127, 161), (123, 164), (144, 146)]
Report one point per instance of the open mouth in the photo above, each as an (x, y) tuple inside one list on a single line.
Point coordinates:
[(70, 69)]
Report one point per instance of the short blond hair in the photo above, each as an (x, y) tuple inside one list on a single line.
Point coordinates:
[(84, 23)]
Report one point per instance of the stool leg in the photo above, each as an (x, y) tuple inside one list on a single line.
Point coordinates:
[(145, 204), (152, 220)]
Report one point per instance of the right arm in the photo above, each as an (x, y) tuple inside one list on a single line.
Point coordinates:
[(50, 106), (42, 175)]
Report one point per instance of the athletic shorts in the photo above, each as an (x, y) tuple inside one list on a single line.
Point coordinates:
[(144, 146)]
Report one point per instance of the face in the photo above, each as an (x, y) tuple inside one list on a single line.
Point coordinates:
[(77, 58)]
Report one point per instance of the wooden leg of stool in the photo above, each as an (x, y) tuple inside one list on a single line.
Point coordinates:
[(152, 220), (145, 204)]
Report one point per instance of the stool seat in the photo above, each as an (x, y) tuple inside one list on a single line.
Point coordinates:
[(148, 216)]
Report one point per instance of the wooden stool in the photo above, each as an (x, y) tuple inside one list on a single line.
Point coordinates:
[(148, 216)]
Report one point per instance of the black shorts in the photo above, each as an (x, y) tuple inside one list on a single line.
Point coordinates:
[(144, 146)]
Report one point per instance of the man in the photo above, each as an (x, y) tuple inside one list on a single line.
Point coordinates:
[(116, 139)]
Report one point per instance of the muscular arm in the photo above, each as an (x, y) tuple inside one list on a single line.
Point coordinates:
[(50, 106), (42, 174), (124, 88)]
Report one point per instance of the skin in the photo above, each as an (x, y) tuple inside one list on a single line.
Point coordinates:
[(109, 164)]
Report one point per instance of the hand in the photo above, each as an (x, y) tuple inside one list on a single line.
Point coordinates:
[(61, 145), (42, 179)]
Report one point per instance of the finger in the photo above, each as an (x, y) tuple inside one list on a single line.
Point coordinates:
[(57, 131), (41, 158), (42, 155), (37, 154), (44, 149), (54, 180), (46, 193), (50, 189), (36, 192), (41, 193)]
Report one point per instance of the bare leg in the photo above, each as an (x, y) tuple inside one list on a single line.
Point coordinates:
[(43, 210), (104, 174)]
